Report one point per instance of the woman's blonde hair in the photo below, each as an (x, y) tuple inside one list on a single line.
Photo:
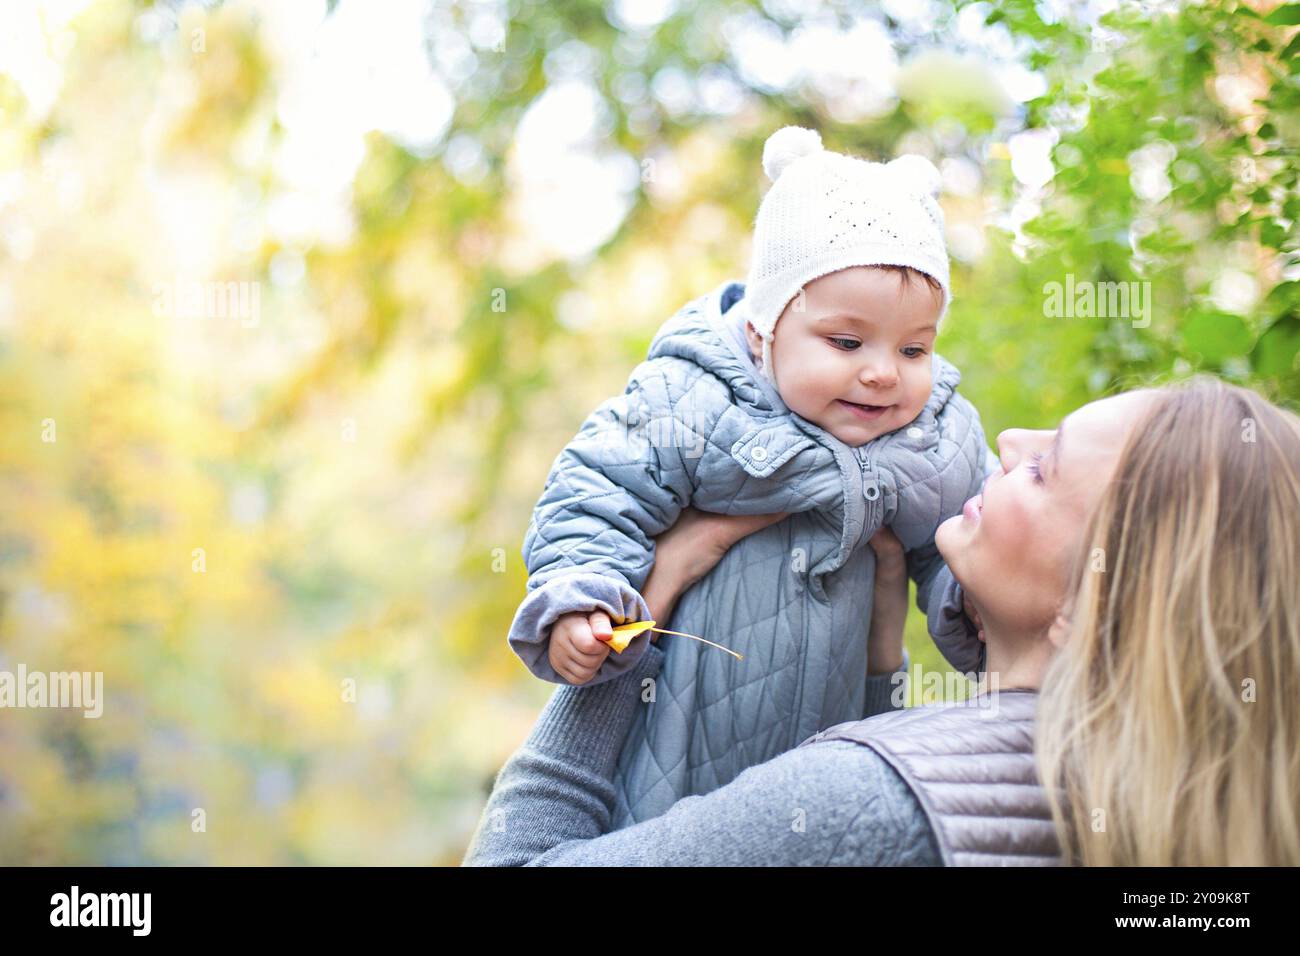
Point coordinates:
[(1169, 722)]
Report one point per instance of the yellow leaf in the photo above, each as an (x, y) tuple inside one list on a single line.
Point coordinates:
[(624, 633)]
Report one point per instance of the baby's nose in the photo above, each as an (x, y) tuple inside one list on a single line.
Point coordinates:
[(885, 375)]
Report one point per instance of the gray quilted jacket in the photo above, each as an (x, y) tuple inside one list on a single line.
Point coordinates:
[(699, 426)]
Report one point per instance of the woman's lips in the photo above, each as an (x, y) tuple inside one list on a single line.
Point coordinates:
[(972, 508), (868, 413)]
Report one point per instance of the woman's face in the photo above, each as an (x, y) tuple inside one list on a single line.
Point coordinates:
[(1012, 545)]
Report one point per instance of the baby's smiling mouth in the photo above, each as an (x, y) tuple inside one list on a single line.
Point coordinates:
[(865, 412)]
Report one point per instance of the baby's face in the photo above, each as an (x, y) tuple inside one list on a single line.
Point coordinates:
[(854, 356)]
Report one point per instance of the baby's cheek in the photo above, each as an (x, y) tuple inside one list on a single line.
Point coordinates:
[(918, 392), (801, 392)]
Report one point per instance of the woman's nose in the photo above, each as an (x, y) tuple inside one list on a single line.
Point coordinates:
[(1013, 443), (1007, 449)]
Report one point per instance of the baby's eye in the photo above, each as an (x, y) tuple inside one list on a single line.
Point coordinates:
[(847, 345), (913, 351)]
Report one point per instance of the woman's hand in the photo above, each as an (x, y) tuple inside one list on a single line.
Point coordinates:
[(689, 550), (889, 608), (973, 613)]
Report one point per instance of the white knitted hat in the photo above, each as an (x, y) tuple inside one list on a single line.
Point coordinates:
[(826, 212)]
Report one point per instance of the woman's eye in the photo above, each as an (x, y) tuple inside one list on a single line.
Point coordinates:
[(847, 345), (1035, 467)]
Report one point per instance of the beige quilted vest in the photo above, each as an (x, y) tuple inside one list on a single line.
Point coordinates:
[(971, 767)]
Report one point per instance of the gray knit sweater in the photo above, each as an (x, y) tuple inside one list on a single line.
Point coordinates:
[(832, 803)]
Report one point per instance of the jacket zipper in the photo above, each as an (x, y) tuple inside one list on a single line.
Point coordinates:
[(871, 491)]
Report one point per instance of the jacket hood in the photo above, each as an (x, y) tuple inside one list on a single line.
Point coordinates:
[(709, 332)]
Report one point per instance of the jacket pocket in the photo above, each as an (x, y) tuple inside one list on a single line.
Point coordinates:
[(761, 451)]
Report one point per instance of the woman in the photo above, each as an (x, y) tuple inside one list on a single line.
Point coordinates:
[(1170, 717), (1149, 543)]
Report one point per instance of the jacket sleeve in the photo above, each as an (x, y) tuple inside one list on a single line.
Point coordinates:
[(952, 631), (924, 563), (623, 479), (829, 803), (968, 463)]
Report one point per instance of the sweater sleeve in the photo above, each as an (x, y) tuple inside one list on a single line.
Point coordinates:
[(831, 803), (886, 692)]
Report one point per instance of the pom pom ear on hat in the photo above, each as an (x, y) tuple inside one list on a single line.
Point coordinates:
[(785, 146), (918, 171)]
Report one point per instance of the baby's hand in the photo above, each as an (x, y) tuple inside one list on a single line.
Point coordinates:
[(577, 646)]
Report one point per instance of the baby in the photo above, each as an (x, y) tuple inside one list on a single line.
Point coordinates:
[(846, 420)]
